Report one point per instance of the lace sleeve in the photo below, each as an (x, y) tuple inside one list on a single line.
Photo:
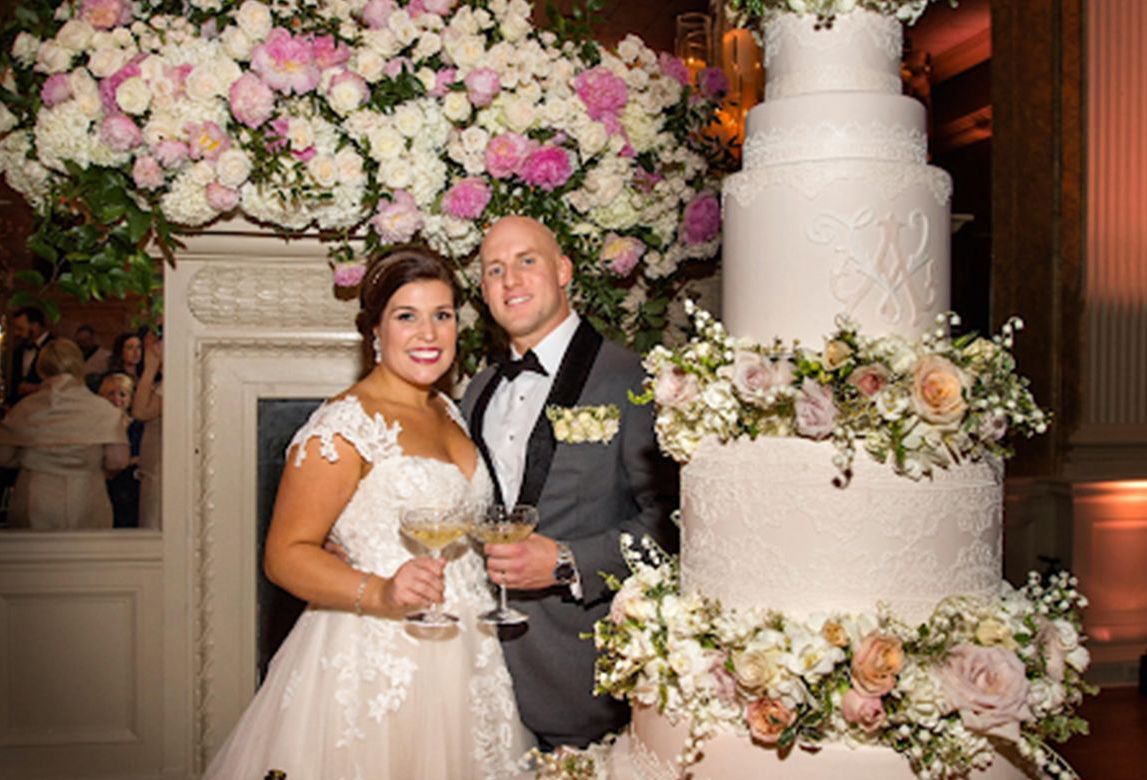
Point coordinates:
[(371, 437)]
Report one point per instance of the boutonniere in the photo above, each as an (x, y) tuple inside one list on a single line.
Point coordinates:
[(577, 424)]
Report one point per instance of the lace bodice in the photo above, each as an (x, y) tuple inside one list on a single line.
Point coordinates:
[(368, 528)]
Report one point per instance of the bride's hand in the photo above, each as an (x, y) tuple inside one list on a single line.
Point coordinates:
[(417, 582)]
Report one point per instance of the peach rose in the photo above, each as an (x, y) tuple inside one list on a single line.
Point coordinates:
[(815, 410), (674, 387), (836, 352), (867, 712), (876, 662), (767, 719), (989, 687), (938, 391), (869, 379), (1059, 642)]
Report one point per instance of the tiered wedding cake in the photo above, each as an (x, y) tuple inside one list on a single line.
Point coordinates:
[(835, 212)]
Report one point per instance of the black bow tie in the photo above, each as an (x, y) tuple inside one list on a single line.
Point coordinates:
[(529, 362)]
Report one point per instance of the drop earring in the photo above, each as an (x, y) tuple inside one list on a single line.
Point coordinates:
[(377, 344)]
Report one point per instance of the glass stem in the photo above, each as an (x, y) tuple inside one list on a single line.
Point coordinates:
[(503, 589), (435, 607)]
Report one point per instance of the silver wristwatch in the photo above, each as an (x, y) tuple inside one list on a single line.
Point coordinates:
[(564, 569)]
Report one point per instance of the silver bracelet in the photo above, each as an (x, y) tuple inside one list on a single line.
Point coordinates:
[(361, 592)]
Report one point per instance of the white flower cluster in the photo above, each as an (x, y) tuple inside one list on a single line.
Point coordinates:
[(916, 405), (747, 11), (1005, 668), (580, 424)]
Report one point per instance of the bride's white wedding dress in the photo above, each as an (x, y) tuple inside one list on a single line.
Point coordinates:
[(364, 698)]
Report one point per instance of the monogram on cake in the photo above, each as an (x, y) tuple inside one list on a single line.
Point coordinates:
[(838, 608)]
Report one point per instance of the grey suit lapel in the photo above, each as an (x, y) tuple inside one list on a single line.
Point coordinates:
[(565, 391), (477, 417)]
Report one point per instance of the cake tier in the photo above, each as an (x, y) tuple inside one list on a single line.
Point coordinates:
[(804, 242), (762, 525), (647, 751), (859, 52), (836, 126)]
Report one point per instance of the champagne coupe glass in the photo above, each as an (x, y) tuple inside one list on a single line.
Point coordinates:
[(435, 527), (499, 525)]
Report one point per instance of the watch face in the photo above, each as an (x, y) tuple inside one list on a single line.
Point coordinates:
[(564, 572)]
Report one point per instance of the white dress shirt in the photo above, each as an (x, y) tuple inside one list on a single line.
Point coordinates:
[(515, 406)]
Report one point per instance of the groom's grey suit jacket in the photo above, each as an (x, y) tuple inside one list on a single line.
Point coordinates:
[(587, 494)]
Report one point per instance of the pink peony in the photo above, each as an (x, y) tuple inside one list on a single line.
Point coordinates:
[(767, 719), (252, 101), (170, 153), (286, 63), (702, 219), (621, 253), (876, 663), (989, 687), (206, 140), (506, 153), (328, 53), (713, 83), (674, 68), (376, 13), (147, 173), (547, 167), (120, 133), (869, 379), (220, 197), (349, 274), (105, 14), (603, 93), (675, 388), (393, 68), (867, 712), (109, 85), (396, 222), (482, 85), (442, 81), (56, 89), (467, 199)]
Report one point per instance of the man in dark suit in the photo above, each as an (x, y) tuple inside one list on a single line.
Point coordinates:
[(31, 333), (587, 492)]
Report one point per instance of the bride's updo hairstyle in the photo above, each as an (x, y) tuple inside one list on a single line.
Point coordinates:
[(388, 273)]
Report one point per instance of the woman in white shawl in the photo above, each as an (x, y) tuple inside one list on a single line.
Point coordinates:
[(63, 438)]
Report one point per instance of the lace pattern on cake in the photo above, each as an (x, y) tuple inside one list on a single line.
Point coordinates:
[(763, 527), (788, 30), (827, 140), (826, 78), (902, 278), (646, 764), (885, 180)]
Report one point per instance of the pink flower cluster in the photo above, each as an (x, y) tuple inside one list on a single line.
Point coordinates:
[(105, 14), (620, 254), (482, 86), (674, 68), (397, 221), (252, 101), (547, 167), (702, 219), (349, 274), (604, 95), (467, 199), (511, 154), (290, 64), (713, 83)]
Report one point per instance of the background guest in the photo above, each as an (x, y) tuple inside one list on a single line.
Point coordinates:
[(96, 358), (123, 487), (62, 437), (127, 355), (31, 333)]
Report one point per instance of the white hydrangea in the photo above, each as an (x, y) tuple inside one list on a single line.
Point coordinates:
[(185, 202)]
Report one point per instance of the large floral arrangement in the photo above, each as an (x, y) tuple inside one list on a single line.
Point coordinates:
[(386, 120), (977, 671), (746, 12), (916, 405)]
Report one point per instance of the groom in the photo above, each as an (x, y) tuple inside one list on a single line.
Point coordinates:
[(587, 493)]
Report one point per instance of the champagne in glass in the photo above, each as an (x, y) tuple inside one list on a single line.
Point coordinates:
[(435, 527), (499, 525)]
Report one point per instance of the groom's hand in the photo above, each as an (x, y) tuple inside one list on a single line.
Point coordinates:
[(527, 565)]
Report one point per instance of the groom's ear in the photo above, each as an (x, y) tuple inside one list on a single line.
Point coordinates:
[(565, 270)]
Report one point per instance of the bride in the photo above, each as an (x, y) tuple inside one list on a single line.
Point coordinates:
[(352, 692)]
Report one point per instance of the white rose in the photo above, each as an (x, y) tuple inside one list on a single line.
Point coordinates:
[(53, 58), (25, 48), (254, 19), (237, 44), (382, 41), (386, 143), (591, 138), (300, 134), (86, 93), (107, 60), (233, 167), (396, 173), (162, 127), (7, 119), (345, 97), (368, 63), (408, 119), (349, 165), (514, 28), (428, 45), (133, 96), (323, 169), (403, 28), (456, 107), (474, 140), (466, 51), (75, 35), (519, 114), (428, 78)]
